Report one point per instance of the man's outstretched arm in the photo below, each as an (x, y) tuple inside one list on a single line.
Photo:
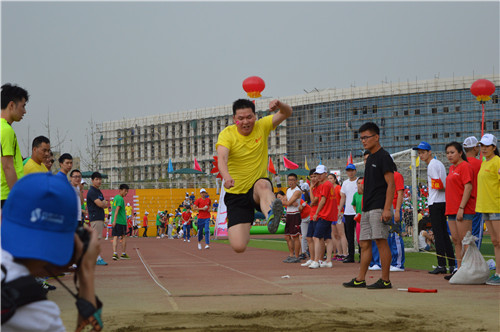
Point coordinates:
[(285, 111)]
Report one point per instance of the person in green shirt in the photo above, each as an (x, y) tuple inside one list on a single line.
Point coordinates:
[(14, 101), (357, 203), (119, 222)]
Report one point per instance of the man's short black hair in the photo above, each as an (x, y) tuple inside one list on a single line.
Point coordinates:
[(39, 140), (311, 172), (74, 171), (280, 193), (243, 103), (124, 186), (65, 156), (371, 126), (292, 175), (12, 93), (96, 175)]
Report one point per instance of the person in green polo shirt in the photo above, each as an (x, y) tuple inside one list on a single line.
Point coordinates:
[(14, 101), (119, 222)]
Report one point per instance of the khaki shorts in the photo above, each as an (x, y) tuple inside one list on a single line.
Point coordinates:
[(98, 226), (371, 226)]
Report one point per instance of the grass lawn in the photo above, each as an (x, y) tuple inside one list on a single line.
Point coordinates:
[(413, 260)]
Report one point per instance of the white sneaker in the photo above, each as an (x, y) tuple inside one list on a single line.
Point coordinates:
[(396, 269), (326, 264), (207, 247), (375, 268), (189, 240), (307, 263), (184, 240), (314, 265), (199, 246)]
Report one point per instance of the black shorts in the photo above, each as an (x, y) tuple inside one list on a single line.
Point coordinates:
[(240, 207), (292, 226), (119, 230)]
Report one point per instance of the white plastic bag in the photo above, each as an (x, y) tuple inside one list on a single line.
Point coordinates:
[(474, 270)]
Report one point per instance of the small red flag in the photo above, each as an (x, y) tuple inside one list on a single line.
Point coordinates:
[(196, 165), (289, 164), (270, 167)]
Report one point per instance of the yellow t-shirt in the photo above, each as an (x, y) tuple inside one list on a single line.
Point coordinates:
[(248, 155), (128, 210), (10, 147), (488, 186), (32, 167)]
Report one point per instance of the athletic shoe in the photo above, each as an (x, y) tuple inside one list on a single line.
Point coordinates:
[(355, 284), (199, 246), (101, 261), (189, 240), (115, 257), (326, 264), (288, 259), (375, 268), (274, 216), (494, 280), (452, 269), (438, 270), (125, 256), (314, 265), (396, 269), (303, 256), (295, 260), (47, 286), (348, 260), (307, 263), (184, 240), (207, 247), (339, 258), (380, 284)]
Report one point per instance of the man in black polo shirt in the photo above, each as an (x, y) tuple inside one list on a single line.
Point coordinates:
[(96, 205), (378, 195)]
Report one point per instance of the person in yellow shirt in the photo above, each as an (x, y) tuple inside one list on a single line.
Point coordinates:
[(488, 196), (14, 101), (39, 151), (242, 159)]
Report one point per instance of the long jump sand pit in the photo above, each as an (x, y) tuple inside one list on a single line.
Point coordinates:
[(170, 285)]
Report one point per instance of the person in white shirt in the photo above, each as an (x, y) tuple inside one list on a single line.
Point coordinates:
[(349, 188), (293, 219), (436, 182)]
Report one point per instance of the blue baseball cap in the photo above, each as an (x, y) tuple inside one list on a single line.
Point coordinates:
[(423, 146), (350, 166), (39, 219)]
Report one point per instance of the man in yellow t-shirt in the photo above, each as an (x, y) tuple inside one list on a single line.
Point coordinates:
[(242, 160), (39, 151), (14, 101)]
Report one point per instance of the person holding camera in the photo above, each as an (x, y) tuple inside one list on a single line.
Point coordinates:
[(42, 208)]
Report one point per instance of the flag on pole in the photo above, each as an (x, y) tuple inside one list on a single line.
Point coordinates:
[(289, 164), (170, 167), (349, 159), (305, 164), (196, 165), (320, 161), (270, 166), (417, 162)]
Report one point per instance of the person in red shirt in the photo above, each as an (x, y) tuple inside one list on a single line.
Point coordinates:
[(186, 218), (314, 195), (202, 205), (325, 214), (471, 148), (145, 224), (460, 204)]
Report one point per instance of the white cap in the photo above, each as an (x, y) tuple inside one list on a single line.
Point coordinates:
[(202, 190), (146, 212), (470, 142), (488, 139), (304, 186), (128, 204), (320, 169)]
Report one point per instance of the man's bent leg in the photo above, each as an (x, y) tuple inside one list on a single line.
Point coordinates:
[(239, 235), (269, 204)]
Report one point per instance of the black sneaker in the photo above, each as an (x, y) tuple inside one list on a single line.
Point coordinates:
[(348, 259), (274, 216), (303, 256), (380, 284), (438, 270), (355, 284), (448, 277)]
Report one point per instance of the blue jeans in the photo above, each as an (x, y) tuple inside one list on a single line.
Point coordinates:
[(397, 247), (204, 227), (187, 231)]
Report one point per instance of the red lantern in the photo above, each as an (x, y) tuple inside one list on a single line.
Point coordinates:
[(482, 89), (253, 86)]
